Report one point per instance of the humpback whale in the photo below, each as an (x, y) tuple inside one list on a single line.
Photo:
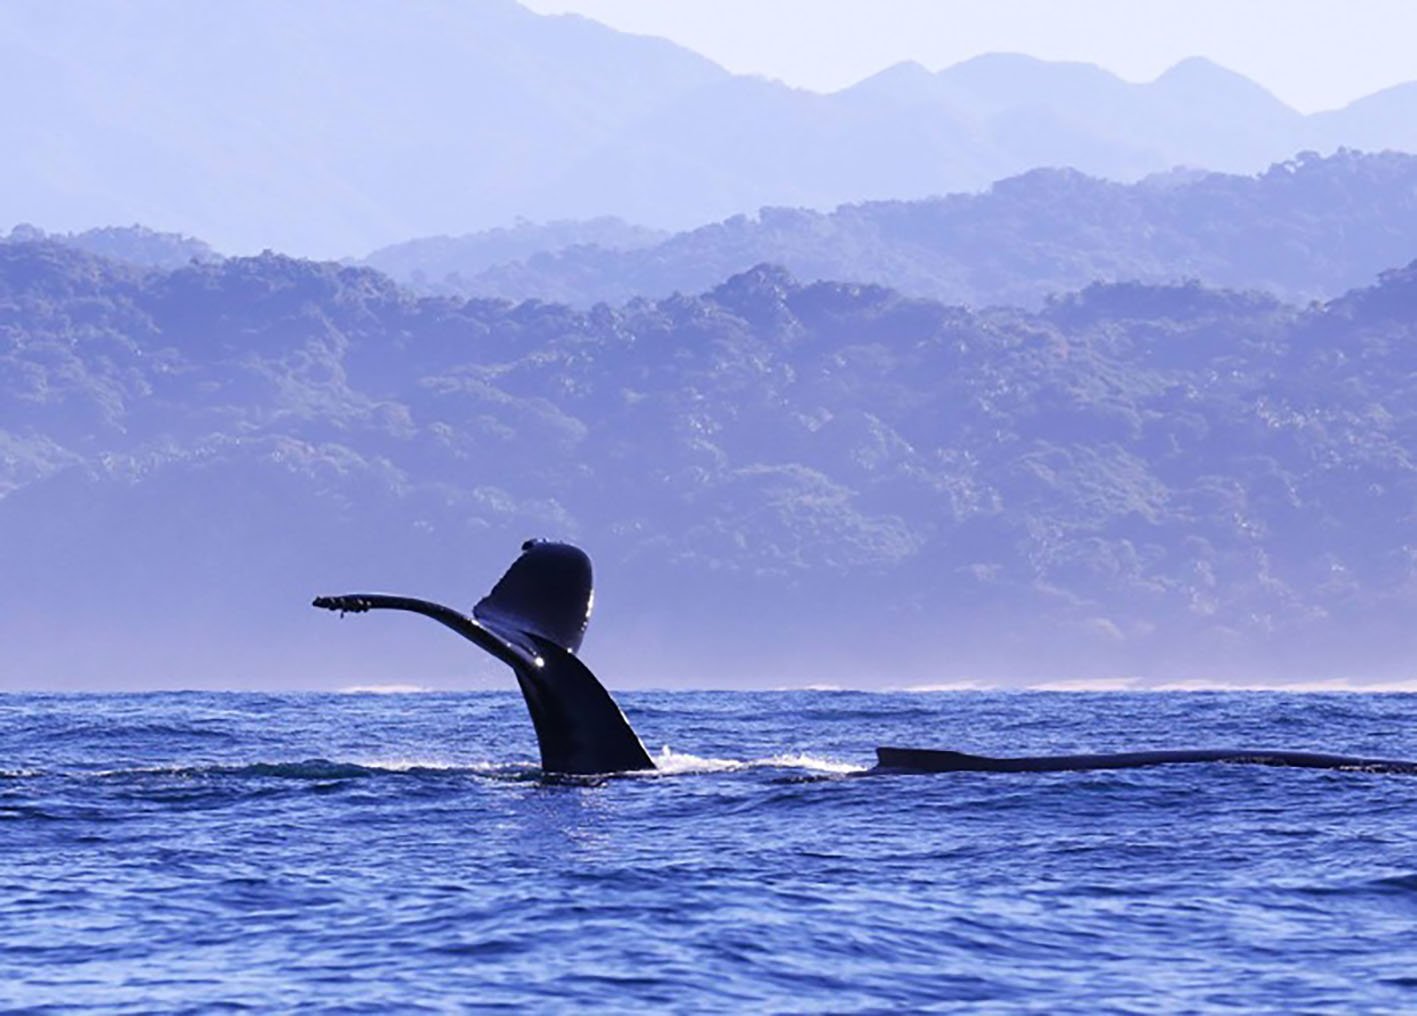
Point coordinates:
[(533, 620), (536, 615), (930, 760)]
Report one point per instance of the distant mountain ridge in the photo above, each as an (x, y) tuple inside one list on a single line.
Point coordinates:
[(136, 245), (1309, 228), (319, 126), (778, 481), (425, 262), (332, 129)]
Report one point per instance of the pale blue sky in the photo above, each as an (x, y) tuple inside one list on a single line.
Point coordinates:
[(1313, 54)]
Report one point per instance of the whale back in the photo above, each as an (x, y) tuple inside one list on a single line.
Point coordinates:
[(547, 592)]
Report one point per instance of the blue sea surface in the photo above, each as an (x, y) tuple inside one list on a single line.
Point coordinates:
[(194, 852)]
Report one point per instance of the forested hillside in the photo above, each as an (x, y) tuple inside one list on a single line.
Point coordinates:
[(1310, 228), (136, 244), (778, 481)]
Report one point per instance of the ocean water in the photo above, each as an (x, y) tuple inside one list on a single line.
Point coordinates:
[(363, 853)]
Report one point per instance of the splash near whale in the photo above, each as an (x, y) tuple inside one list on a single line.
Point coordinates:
[(535, 618)]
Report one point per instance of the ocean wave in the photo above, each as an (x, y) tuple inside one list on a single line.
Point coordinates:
[(307, 769), (384, 689), (406, 852), (1091, 685), (667, 763), (1339, 685), (20, 774), (945, 686), (1397, 883), (311, 769)]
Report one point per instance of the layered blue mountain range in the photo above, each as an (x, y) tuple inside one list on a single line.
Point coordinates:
[(329, 130)]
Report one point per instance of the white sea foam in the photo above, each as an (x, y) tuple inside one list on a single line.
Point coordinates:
[(383, 689), (672, 763), (170, 769), (814, 763), (1088, 684), (1332, 684), (676, 763)]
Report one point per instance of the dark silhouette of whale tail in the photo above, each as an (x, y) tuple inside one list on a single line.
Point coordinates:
[(534, 620), (547, 592)]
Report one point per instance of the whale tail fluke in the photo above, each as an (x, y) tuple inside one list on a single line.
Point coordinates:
[(534, 620), (542, 604), (547, 592), (578, 725)]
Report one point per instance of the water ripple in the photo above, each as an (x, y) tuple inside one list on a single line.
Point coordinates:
[(362, 852)]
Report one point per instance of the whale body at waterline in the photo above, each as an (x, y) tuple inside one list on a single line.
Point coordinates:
[(535, 618), (931, 760)]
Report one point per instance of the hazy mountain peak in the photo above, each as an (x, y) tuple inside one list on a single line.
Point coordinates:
[(1383, 120), (1405, 93), (1197, 67), (579, 30), (994, 64), (1205, 81), (331, 128), (317, 126), (906, 77), (1019, 73), (906, 84), (1018, 87)]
